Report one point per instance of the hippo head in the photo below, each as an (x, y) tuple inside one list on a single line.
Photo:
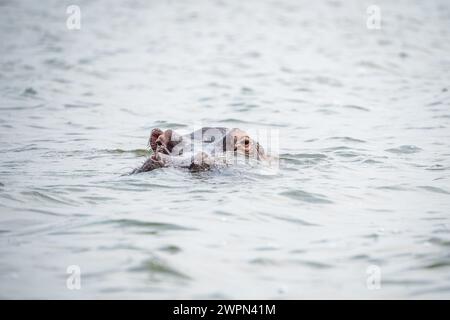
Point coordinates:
[(241, 143), (167, 145), (235, 140)]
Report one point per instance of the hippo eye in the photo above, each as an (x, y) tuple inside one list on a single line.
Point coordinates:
[(158, 143), (246, 142)]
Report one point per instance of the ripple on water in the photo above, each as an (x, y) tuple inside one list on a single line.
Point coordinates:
[(295, 220), (347, 139), (313, 264), (45, 197), (223, 213), (263, 261), (159, 269), (137, 152), (146, 227), (393, 188), (81, 105), (23, 107), (372, 161), (405, 149), (306, 196), (332, 82), (303, 158), (355, 107), (172, 249), (442, 263), (440, 241), (434, 189), (345, 152), (168, 124), (436, 167), (29, 92), (234, 121)]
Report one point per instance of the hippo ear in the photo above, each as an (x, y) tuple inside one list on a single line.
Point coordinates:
[(153, 136)]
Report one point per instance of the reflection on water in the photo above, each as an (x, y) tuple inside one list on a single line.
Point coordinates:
[(363, 117)]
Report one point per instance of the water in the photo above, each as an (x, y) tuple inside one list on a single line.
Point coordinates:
[(364, 123)]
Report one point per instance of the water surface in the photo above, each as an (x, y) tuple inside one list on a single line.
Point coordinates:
[(364, 123)]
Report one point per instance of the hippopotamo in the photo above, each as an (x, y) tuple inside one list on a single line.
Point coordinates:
[(199, 150)]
